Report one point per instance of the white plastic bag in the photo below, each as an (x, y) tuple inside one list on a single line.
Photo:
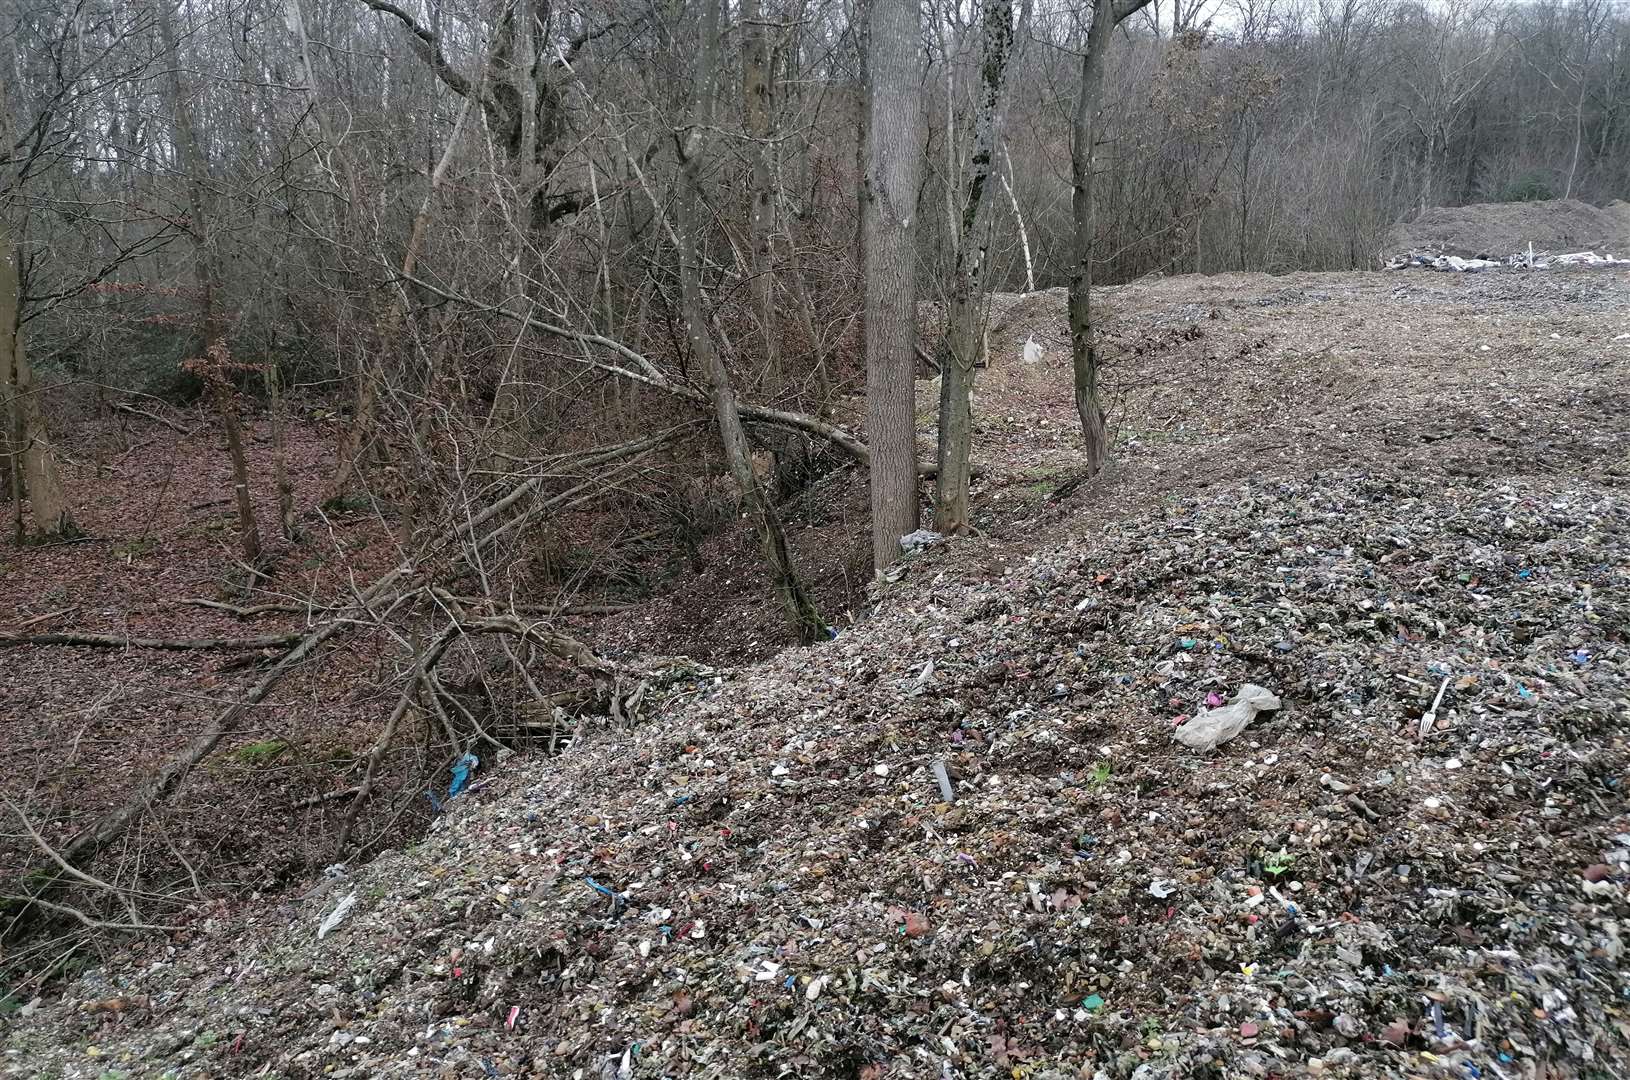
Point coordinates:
[(1032, 350), (1213, 727), (337, 916)]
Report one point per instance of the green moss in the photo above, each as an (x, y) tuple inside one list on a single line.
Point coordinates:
[(260, 754)]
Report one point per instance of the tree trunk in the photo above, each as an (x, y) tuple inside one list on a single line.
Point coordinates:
[(893, 170), (969, 307), (755, 504), (31, 464), (215, 361), (1428, 169), (757, 98), (1083, 338)]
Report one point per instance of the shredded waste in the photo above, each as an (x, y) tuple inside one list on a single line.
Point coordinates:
[(778, 877)]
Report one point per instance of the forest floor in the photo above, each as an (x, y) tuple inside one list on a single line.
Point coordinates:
[(1360, 491)]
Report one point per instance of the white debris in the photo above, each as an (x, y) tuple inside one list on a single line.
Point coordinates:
[(337, 916)]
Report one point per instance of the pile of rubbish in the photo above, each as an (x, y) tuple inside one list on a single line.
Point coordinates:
[(1529, 260), (1313, 776), (1489, 231)]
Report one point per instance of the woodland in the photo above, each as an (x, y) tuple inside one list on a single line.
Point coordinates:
[(482, 318)]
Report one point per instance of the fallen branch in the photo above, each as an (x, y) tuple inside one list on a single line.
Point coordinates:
[(47, 617), (416, 679), (94, 924), (373, 604), (641, 370), (548, 609), (327, 796), (249, 612), (98, 836), (560, 645), (114, 641), (154, 417)]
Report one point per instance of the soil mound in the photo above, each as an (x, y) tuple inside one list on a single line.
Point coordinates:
[(1495, 230)]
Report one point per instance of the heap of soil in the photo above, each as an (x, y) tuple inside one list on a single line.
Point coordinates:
[(1495, 230)]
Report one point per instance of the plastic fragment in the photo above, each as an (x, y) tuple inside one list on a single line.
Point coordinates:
[(1213, 727), (337, 916)]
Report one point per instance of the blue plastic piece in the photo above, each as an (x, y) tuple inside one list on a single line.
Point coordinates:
[(461, 773)]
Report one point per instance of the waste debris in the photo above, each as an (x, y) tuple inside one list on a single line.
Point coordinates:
[(1089, 896), (1218, 724), (1529, 260)]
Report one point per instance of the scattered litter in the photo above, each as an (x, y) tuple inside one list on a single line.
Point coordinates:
[(1028, 935), (461, 773), (914, 542), (1213, 727), (1430, 716), (337, 916), (1521, 261)]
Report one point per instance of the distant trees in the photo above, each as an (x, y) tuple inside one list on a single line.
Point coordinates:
[(212, 362), (355, 165)]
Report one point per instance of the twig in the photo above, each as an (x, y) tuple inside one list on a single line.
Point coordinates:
[(403, 703), (327, 796), (249, 612), (113, 641), (46, 617), (63, 543), (94, 924), (65, 867)]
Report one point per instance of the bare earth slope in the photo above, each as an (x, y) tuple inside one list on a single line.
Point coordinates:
[(1350, 489)]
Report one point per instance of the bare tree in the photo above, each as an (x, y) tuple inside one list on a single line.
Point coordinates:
[(32, 465), (969, 307), (214, 364), (1089, 102), (1441, 70), (893, 169), (755, 501), (757, 100)]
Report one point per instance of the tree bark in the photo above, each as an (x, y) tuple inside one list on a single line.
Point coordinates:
[(1106, 14), (32, 464), (893, 172), (757, 99), (969, 306), (756, 505)]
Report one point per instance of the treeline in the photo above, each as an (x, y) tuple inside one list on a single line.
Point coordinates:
[(1266, 136)]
